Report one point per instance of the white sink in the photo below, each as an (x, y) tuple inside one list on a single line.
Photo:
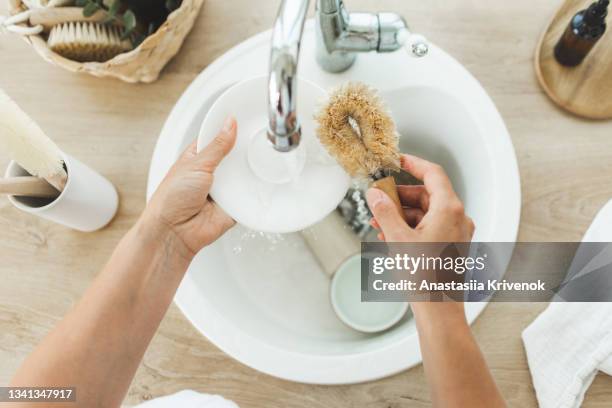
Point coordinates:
[(263, 299)]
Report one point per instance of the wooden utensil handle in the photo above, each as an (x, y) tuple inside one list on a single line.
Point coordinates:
[(388, 186), (27, 186), (49, 17)]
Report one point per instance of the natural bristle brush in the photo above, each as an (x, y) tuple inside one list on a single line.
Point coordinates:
[(358, 131), (86, 41)]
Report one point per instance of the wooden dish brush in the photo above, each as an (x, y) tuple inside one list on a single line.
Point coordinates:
[(358, 131)]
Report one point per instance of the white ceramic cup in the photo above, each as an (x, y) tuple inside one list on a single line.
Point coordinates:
[(88, 202), (366, 317)]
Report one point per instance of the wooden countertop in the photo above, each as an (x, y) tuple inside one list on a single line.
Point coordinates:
[(565, 166)]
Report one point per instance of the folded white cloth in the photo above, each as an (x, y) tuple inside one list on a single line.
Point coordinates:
[(566, 346), (569, 342), (189, 399)]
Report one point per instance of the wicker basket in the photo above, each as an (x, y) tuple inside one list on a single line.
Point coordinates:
[(142, 64)]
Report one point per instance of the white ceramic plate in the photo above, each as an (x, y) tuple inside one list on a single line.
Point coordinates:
[(294, 203)]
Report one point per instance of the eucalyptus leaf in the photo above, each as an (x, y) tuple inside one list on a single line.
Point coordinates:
[(114, 8), (129, 24), (111, 14), (90, 9), (138, 18)]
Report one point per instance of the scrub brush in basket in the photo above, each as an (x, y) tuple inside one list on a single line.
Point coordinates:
[(87, 41), (356, 128), (27, 144)]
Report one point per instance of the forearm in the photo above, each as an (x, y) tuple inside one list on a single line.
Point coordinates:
[(98, 346), (454, 366)]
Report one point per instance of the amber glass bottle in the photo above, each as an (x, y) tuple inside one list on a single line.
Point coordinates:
[(585, 29)]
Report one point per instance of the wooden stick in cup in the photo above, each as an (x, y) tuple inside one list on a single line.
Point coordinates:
[(27, 186)]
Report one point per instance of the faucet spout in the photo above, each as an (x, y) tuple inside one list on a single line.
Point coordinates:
[(284, 129), (340, 35)]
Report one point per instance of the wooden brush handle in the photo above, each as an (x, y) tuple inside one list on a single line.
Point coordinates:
[(27, 186), (388, 186), (49, 17)]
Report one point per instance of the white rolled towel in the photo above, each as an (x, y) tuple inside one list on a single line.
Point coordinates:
[(570, 342)]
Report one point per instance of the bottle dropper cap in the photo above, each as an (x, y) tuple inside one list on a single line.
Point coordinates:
[(596, 13)]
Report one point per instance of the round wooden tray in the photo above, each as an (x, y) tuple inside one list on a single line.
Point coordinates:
[(585, 90)]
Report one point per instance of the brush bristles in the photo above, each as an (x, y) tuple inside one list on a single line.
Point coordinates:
[(83, 41), (368, 147), (26, 143)]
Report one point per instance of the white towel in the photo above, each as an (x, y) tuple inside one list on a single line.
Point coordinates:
[(569, 342), (189, 399)]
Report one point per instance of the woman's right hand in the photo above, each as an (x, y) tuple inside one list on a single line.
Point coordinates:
[(456, 370), (433, 211)]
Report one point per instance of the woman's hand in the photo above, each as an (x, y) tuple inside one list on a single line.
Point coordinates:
[(107, 332), (455, 368), (434, 212), (181, 205)]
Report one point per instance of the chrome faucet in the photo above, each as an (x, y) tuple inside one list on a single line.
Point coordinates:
[(340, 35)]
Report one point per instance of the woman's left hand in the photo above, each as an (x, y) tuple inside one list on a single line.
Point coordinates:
[(108, 331), (181, 205)]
